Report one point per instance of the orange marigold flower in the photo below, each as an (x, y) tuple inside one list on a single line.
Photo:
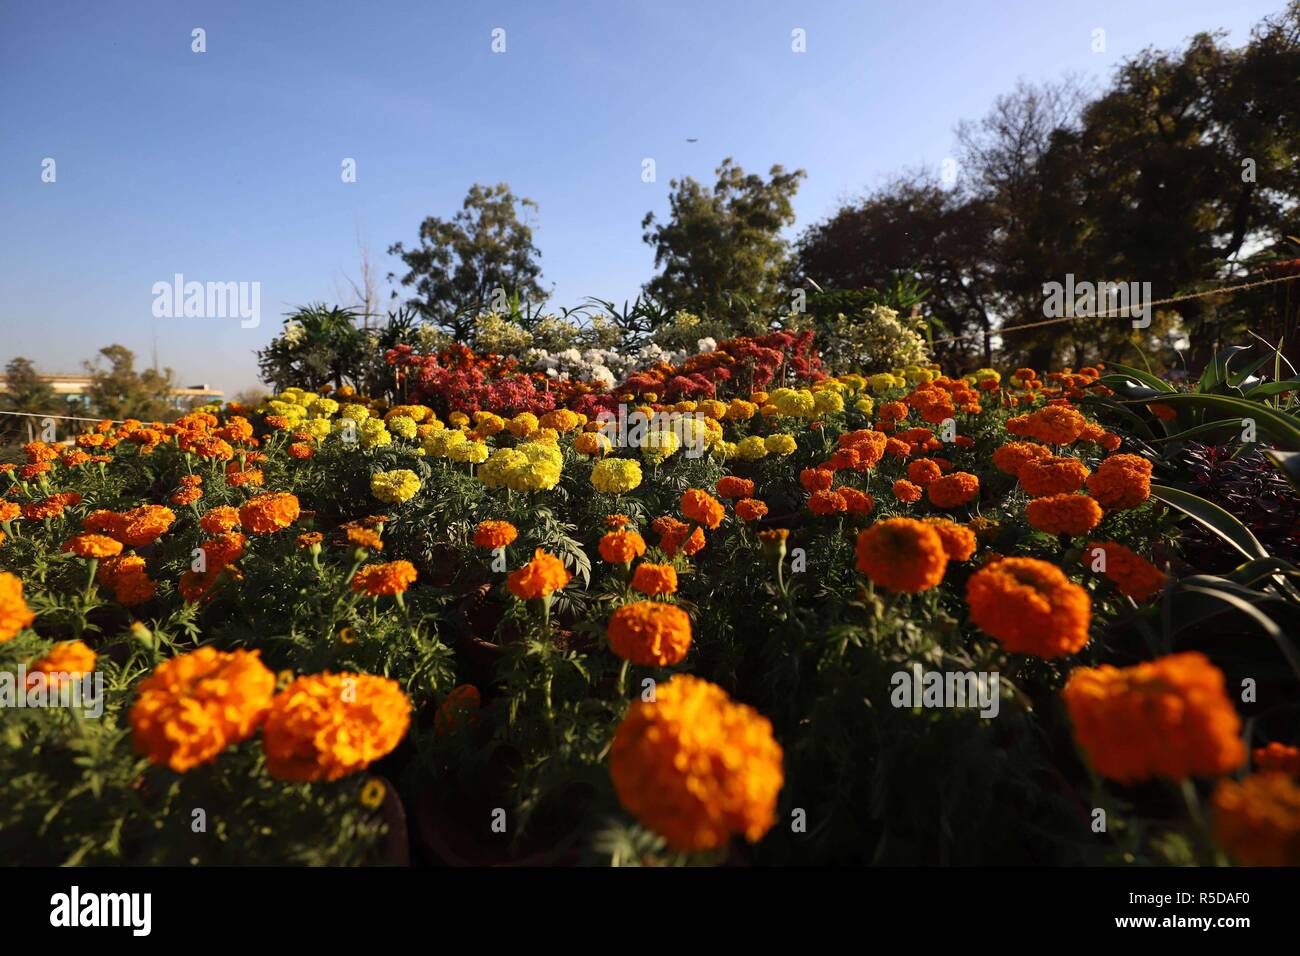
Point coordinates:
[(1257, 819), (393, 577), (71, 658), (858, 502), (1121, 481), (310, 539), (923, 471), (733, 487), (696, 767), (494, 534), (1055, 425), (458, 711), (816, 479), (702, 508), (653, 579), (1133, 574), (1064, 514), (953, 491), (298, 449), (326, 726), (269, 512), (680, 537), (539, 578), (1052, 475), (614, 522), (219, 520), (93, 546), (224, 549), (1030, 606), (9, 511), (905, 491), (195, 705), (1277, 758), (621, 547), (145, 524), (1170, 717), (750, 509), (650, 633), (958, 540), (14, 612), (902, 554), (827, 502)]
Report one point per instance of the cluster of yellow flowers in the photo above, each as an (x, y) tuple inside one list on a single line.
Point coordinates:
[(616, 476), (395, 487), (532, 466)]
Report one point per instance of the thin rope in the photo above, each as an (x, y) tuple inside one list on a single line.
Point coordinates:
[(1117, 312), (62, 418)]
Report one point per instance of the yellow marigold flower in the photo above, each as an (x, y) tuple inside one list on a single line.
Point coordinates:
[(494, 534), (391, 578), (696, 767), (592, 443), (653, 579), (621, 547), (539, 578), (712, 408), (469, 453), (740, 411), (660, 444), (1257, 819), (357, 413), (751, 448), (650, 633), (781, 444), (523, 425), (828, 402), (794, 403), (269, 512), (442, 443), (326, 726), (394, 487), (195, 705), (93, 546), (615, 476), (1170, 717), (401, 426), (560, 419)]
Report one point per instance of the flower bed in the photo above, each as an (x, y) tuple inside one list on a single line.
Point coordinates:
[(894, 617)]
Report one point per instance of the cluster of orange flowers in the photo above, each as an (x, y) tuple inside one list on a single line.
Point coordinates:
[(650, 633), (1169, 717), (696, 767), (321, 727), (1030, 606), (539, 578)]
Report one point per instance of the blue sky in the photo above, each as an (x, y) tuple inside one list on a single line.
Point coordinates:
[(225, 165)]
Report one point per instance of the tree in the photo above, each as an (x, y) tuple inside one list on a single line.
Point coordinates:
[(461, 262), (120, 392), (723, 249), (913, 230), (26, 392)]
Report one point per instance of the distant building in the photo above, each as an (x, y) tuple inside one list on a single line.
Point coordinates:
[(74, 388)]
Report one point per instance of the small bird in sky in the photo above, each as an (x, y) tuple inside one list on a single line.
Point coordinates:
[(691, 140)]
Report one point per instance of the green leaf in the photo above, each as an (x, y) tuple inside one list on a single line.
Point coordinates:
[(1288, 462), (1278, 426), (1210, 515), (1274, 388), (1146, 378)]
